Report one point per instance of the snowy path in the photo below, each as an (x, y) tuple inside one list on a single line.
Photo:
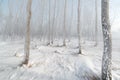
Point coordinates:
[(53, 63)]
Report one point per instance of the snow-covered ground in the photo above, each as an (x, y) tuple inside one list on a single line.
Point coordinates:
[(54, 62)]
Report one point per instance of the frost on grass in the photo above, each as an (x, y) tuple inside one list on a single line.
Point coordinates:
[(52, 63), (56, 67)]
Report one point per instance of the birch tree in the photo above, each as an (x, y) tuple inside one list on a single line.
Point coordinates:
[(42, 19), (78, 27), (49, 36), (27, 37), (96, 24), (64, 29), (71, 22), (107, 54), (52, 28)]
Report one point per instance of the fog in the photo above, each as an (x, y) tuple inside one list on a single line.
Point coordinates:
[(59, 40), (13, 18)]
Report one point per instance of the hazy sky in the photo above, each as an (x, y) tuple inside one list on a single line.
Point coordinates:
[(114, 12)]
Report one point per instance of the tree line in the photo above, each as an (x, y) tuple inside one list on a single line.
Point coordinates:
[(106, 29)]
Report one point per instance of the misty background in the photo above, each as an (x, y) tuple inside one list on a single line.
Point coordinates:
[(13, 18)]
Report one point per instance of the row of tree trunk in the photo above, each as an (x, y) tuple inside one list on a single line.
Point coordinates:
[(106, 28)]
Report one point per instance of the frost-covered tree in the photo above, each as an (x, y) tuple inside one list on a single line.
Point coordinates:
[(52, 28), (107, 54), (64, 29), (71, 21), (42, 19), (49, 36), (78, 28), (27, 37), (96, 24)]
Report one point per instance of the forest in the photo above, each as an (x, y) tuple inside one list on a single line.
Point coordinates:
[(59, 40)]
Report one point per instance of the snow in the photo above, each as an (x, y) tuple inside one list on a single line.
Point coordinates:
[(55, 63)]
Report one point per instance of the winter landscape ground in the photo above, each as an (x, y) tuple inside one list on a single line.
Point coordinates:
[(55, 62)]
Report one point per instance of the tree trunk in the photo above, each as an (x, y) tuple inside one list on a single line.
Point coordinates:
[(52, 30), (107, 54), (42, 20), (27, 38), (49, 36), (71, 22), (64, 29), (96, 23), (78, 28)]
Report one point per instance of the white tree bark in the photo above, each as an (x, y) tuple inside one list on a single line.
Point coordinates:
[(49, 36), (71, 22), (52, 30), (96, 24), (42, 19), (27, 37), (106, 28), (78, 28), (64, 29)]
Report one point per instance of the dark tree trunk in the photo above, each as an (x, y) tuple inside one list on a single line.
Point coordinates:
[(106, 28), (78, 28)]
